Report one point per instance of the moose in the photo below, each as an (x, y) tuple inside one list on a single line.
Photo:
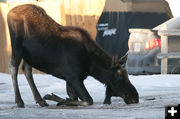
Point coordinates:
[(66, 52)]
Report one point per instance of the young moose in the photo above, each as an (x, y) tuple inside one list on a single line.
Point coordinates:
[(68, 53)]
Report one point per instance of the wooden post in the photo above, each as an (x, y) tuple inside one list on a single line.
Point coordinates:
[(164, 50)]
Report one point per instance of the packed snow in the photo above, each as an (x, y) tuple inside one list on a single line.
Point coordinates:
[(155, 91)]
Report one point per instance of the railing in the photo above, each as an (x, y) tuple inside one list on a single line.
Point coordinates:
[(165, 55)]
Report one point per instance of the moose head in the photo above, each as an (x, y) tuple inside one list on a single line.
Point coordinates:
[(119, 84)]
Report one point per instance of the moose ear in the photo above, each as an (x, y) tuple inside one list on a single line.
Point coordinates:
[(115, 61), (123, 59)]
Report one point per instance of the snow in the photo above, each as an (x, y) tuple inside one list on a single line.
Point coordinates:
[(156, 92), (174, 5)]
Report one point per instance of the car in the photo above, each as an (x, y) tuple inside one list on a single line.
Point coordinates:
[(145, 45)]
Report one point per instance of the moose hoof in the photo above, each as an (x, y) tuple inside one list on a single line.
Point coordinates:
[(107, 102), (20, 104), (64, 102), (43, 103)]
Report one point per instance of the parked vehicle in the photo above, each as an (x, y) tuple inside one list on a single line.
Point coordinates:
[(120, 15), (145, 44)]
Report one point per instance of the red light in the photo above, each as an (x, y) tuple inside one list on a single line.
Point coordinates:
[(150, 44)]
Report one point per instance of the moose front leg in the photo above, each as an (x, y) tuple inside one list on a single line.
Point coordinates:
[(108, 95), (61, 101), (71, 92), (81, 92)]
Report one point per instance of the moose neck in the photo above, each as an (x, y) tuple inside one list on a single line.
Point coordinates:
[(100, 67)]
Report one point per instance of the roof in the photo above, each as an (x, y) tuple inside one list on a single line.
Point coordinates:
[(157, 6)]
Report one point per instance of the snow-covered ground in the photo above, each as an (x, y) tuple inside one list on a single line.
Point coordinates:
[(155, 92)]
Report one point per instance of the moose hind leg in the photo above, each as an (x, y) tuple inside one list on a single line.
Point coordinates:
[(27, 69), (13, 67), (71, 92)]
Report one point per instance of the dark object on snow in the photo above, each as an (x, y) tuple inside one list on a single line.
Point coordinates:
[(64, 52), (120, 15), (151, 98)]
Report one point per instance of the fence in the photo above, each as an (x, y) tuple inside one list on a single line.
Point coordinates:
[(165, 55), (83, 13)]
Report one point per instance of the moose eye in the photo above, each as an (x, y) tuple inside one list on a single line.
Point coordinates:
[(119, 72)]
